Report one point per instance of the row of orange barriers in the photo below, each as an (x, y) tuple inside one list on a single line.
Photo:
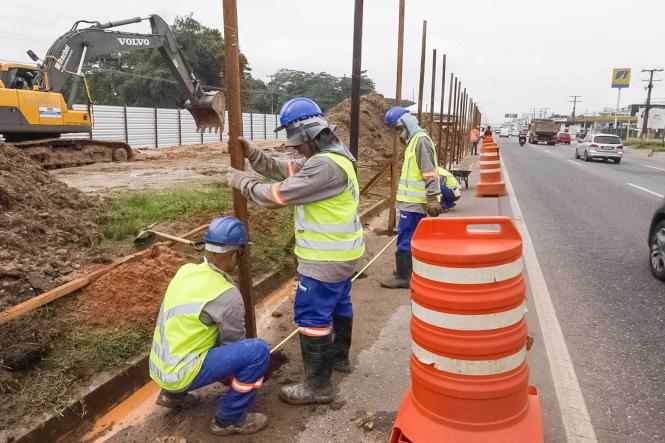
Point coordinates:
[(491, 184)]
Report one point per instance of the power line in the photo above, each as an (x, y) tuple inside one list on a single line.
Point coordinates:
[(648, 103)]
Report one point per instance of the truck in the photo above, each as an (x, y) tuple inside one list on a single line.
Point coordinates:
[(543, 130), (34, 112)]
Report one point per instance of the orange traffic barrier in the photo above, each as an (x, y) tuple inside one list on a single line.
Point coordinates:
[(469, 376), (490, 183), (490, 146)]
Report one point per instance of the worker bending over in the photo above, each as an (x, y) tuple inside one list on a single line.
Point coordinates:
[(329, 239), (418, 190), (200, 335), (450, 191)]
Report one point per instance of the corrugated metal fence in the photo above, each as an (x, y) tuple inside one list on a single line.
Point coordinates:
[(158, 127)]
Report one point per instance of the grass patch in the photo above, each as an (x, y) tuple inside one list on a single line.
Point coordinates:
[(655, 144), (78, 354), (271, 233), (122, 216)]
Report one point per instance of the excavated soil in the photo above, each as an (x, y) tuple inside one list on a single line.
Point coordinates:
[(43, 228), (375, 141), (131, 293)]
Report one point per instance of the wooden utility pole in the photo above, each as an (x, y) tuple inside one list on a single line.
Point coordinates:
[(394, 177), (443, 102), (432, 92), (232, 76), (645, 119), (356, 77), (421, 85)]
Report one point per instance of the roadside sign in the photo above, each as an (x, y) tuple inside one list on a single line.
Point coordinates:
[(510, 116), (621, 77)]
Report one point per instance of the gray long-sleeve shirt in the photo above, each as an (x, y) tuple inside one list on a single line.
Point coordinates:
[(426, 160), (298, 182), (227, 312)]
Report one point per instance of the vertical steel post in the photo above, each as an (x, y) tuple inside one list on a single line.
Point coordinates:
[(432, 92), (453, 144), (156, 136), (265, 127), (443, 102), (450, 101), (232, 75), (394, 177), (356, 77), (421, 85), (125, 123), (179, 128), (251, 126)]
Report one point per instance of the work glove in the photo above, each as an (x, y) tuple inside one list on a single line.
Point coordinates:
[(433, 205), (247, 148), (236, 178)]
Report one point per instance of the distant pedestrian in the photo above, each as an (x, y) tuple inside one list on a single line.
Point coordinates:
[(474, 136), (488, 131)]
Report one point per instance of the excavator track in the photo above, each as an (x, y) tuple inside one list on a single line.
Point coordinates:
[(62, 153)]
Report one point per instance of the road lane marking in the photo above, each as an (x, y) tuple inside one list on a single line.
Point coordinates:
[(548, 151), (574, 413), (646, 190), (575, 163), (653, 167)]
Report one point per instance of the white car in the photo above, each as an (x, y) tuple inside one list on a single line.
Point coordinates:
[(505, 132), (605, 146), (514, 132)]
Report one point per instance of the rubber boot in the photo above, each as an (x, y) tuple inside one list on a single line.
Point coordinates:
[(252, 422), (404, 269), (342, 327), (317, 357), (173, 400)]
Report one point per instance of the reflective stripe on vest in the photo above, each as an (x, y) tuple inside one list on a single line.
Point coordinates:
[(181, 341), (330, 230), (411, 186)]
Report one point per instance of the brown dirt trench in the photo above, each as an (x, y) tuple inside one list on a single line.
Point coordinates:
[(139, 420)]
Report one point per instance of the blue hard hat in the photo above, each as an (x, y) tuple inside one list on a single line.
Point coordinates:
[(394, 114), (226, 231), (296, 109)]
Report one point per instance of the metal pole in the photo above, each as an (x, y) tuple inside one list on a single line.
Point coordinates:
[(125, 125), (265, 127), (156, 136), (232, 75), (443, 102), (251, 126), (450, 101), (431, 98), (179, 128), (616, 113), (394, 177), (422, 72), (458, 90), (356, 77)]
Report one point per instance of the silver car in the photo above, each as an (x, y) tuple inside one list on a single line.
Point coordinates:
[(605, 146)]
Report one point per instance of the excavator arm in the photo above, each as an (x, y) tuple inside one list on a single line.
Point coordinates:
[(65, 58)]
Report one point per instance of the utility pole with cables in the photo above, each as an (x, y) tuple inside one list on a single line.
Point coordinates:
[(575, 100), (645, 120)]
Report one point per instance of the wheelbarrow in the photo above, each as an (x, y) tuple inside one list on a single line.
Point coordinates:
[(462, 175)]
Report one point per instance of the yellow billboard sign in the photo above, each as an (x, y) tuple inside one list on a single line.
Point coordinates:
[(620, 77)]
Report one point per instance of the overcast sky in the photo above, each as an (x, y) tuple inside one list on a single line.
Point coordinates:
[(512, 55)]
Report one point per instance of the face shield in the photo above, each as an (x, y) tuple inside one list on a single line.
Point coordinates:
[(301, 134)]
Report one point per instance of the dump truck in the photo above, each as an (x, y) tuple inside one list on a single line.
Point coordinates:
[(34, 112), (543, 130)]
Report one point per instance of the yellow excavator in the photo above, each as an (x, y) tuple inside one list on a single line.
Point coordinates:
[(34, 113)]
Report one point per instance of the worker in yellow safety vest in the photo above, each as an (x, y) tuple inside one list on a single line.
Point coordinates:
[(200, 339), (450, 189), (323, 189), (418, 191)]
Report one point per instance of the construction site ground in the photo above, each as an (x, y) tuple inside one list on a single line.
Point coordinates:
[(367, 400)]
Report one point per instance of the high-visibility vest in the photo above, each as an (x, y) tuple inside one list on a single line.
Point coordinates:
[(474, 135), (411, 182), (330, 229), (181, 341), (451, 181)]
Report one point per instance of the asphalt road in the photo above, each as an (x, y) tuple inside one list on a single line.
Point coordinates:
[(588, 223)]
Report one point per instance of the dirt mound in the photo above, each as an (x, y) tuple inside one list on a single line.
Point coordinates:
[(43, 228), (131, 293), (375, 141)]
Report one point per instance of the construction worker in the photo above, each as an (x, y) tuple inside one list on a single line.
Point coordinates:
[(450, 191), (200, 335), (418, 191), (474, 136), (329, 239)]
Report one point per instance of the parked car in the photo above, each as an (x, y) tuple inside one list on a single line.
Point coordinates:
[(604, 146), (514, 132), (563, 137), (657, 244), (505, 132)]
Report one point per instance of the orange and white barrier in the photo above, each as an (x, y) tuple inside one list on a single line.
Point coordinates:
[(469, 376), (490, 183)]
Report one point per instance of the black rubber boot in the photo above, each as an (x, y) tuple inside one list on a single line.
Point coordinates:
[(342, 327), (317, 357), (173, 400), (404, 269)]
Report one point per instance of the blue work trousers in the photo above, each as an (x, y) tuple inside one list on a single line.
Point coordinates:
[(448, 198), (317, 302), (243, 363), (408, 222)]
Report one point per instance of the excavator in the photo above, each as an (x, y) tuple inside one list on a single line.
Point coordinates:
[(34, 113)]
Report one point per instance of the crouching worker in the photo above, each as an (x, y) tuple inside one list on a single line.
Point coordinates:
[(450, 191), (200, 335)]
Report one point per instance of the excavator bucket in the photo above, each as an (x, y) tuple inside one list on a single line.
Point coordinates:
[(209, 112)]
